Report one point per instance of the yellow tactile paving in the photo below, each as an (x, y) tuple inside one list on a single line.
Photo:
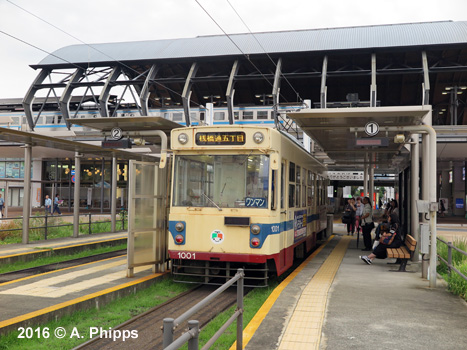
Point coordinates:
[(304, 327), (44, 246), (47, 287), (251, 328), (77, 300)]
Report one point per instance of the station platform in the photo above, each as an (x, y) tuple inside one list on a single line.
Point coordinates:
[(40, 298), (336, 301), (27, 252)]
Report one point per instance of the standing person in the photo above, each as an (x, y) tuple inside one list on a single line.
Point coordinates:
[(442, 207), (350, 212), (367, 223), (2, 204), (358, 214), (394, 208), (48, 204), (56, 203)]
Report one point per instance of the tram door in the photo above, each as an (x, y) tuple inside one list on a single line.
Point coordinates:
[(147, 202)]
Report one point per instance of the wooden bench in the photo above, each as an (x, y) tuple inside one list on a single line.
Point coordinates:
[(405, 252)]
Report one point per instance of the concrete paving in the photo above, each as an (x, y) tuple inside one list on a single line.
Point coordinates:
[(370, 307)]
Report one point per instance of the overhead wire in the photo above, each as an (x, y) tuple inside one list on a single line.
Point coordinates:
[(91, 46), (259, 43), (233, 42)]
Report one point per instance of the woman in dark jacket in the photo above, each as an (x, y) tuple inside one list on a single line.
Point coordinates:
[(392, 228)]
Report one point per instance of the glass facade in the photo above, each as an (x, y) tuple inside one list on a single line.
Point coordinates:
[(96, 178)]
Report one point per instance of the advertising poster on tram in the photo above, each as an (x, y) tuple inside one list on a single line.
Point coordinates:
[(299, 225)]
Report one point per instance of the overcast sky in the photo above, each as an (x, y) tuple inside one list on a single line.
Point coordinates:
[(97, 21)]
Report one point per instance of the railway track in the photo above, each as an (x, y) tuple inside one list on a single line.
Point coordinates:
[(149, 323), (14, 275)]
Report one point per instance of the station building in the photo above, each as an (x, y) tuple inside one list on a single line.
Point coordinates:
[(239, 79)]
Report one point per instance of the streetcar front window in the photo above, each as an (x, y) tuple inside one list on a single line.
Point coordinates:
[(227, 181)]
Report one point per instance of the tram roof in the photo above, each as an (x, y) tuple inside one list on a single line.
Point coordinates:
[(34, 139), (319, 40), (337, 130)]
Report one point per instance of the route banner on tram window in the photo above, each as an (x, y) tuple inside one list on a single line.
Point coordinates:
[(299, 225)]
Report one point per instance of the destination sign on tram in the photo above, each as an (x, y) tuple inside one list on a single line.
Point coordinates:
[(220, 138)]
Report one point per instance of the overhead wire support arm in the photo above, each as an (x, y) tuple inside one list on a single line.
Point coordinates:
[(187, 92), (230, 91), (276, 92)]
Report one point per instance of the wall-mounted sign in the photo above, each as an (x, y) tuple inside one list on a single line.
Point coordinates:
[(220, 138)]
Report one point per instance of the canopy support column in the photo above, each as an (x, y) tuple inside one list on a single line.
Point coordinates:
[(113, 199), (27, 192), (414, 194), (29, 98), (105, 94), (76, 196), (144, 95)]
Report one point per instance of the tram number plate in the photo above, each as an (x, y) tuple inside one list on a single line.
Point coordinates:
[(255, 202), (186, 255)]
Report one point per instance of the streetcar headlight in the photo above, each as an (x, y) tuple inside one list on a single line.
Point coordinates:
[(258, 137), (255, 242), (183, 138), (179, 226), (179, 239), (255, 229)]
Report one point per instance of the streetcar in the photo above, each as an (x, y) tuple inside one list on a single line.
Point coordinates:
[(246, 197)]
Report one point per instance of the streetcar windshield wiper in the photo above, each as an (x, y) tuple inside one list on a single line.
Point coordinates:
[(209, 199)]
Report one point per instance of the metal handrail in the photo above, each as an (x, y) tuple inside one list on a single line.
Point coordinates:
[(449, 261), (47, 226), (192, 335)]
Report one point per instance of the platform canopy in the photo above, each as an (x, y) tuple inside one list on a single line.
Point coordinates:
[(340, 133), (37, 140), (130, 126)]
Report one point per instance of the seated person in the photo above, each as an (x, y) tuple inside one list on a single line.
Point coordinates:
[(390, 238), (378, 228)]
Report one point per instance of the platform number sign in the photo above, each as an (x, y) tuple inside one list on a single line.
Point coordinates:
[(116, 133), (371, 128)]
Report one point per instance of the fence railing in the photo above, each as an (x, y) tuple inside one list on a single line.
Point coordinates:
[(193, 326), (449, 261), (49, 222)]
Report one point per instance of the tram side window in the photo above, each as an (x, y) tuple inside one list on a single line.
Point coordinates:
[(262, 115), (291, 195), (273, 190), (201, 116), (304, 188), (282, 185), (298, 188), (292, 172), (320, 192), (236, 115)]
